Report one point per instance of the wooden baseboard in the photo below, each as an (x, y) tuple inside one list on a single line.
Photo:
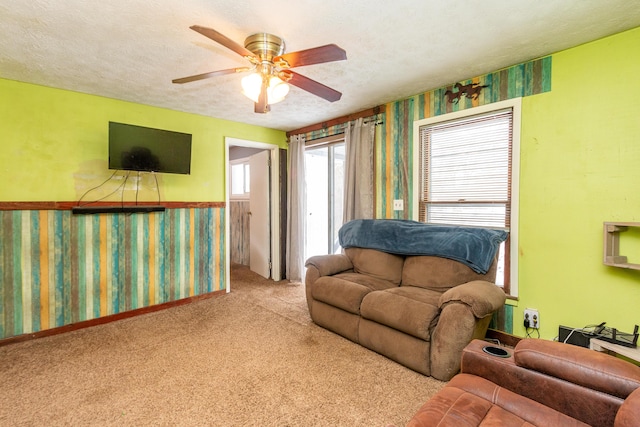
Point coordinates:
[(107, 319), (503, 337)]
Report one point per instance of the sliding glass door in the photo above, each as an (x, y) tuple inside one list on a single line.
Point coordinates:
[(324, 170)]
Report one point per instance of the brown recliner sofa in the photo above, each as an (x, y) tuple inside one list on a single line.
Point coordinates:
[(539, 383), (418, 310)]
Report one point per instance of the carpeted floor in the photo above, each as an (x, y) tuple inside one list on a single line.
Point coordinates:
[(250, 357)]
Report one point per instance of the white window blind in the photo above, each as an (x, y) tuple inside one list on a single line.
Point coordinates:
[(466, 174)]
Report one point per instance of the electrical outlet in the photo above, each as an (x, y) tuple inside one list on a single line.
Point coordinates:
[(398, 205), (531, 318)]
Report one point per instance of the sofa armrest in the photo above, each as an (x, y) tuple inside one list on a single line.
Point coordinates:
[(482, 297), (323, 265), (465, 313), (328, 265)]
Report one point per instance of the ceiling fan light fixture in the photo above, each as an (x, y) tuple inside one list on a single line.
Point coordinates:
[(277, 90), (252, 85)]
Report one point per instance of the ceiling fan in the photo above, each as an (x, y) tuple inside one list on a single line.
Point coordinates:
[(271, 68)]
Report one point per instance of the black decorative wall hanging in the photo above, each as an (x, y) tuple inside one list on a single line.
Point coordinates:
[(471, 91)]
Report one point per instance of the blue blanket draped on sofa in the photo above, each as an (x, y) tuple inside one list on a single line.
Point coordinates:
[(474, 247)]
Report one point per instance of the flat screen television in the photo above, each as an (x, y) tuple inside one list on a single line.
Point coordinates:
[(139, 148)]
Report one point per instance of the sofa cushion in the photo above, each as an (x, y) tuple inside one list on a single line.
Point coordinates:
[(579, 365), (454, 407), (347, 290), (408, 309), (474, 401), (377, 264), (439, 274)]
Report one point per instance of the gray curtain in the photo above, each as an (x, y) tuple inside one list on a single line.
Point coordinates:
[(359, 168), (296, 209)]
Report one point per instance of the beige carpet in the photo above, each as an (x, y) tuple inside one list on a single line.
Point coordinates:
[(250, 357)]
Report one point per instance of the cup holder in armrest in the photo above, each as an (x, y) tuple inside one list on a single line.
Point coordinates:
[(496, 351)]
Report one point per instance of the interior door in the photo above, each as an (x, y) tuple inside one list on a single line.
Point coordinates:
[(259, 202)]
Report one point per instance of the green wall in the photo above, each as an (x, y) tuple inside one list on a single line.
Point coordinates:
[(54, 145), (580, 166)]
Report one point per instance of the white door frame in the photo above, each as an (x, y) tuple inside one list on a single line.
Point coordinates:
[(275, 204)]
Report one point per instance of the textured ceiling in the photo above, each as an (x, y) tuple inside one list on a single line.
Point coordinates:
[(132, 49)]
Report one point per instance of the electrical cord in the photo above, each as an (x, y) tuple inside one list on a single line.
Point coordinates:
[(528, 333), (527, 326), (157, 186), (596, 331), (137, 187), (104, 197), (121, 186), (570, 333), (95, 188), (124, 187)]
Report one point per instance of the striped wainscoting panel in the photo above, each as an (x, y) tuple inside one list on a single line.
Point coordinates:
[(324, 132), (503, 319), (394, 155), (57, 268)]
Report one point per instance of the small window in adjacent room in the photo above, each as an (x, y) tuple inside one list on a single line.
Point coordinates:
[(468, 162), (240, 174)]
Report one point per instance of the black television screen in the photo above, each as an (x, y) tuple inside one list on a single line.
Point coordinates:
[(146, 149)]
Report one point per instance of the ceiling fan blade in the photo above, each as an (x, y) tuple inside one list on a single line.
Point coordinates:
[(210, 74), (262, 106), (316, 55), (223, 40), (311, 86)]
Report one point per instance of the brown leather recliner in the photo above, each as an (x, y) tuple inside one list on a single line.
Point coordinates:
[(539, 383)]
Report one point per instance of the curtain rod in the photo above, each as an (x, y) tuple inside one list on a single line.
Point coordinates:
[(367, 120), (338, 121)]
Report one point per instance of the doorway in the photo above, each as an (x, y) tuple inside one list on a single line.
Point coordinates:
[(272, 241)]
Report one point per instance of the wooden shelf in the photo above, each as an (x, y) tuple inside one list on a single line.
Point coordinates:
[(612, 255), (605, 346)]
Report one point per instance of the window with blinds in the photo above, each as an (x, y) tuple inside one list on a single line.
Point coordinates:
[(466, 175)]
